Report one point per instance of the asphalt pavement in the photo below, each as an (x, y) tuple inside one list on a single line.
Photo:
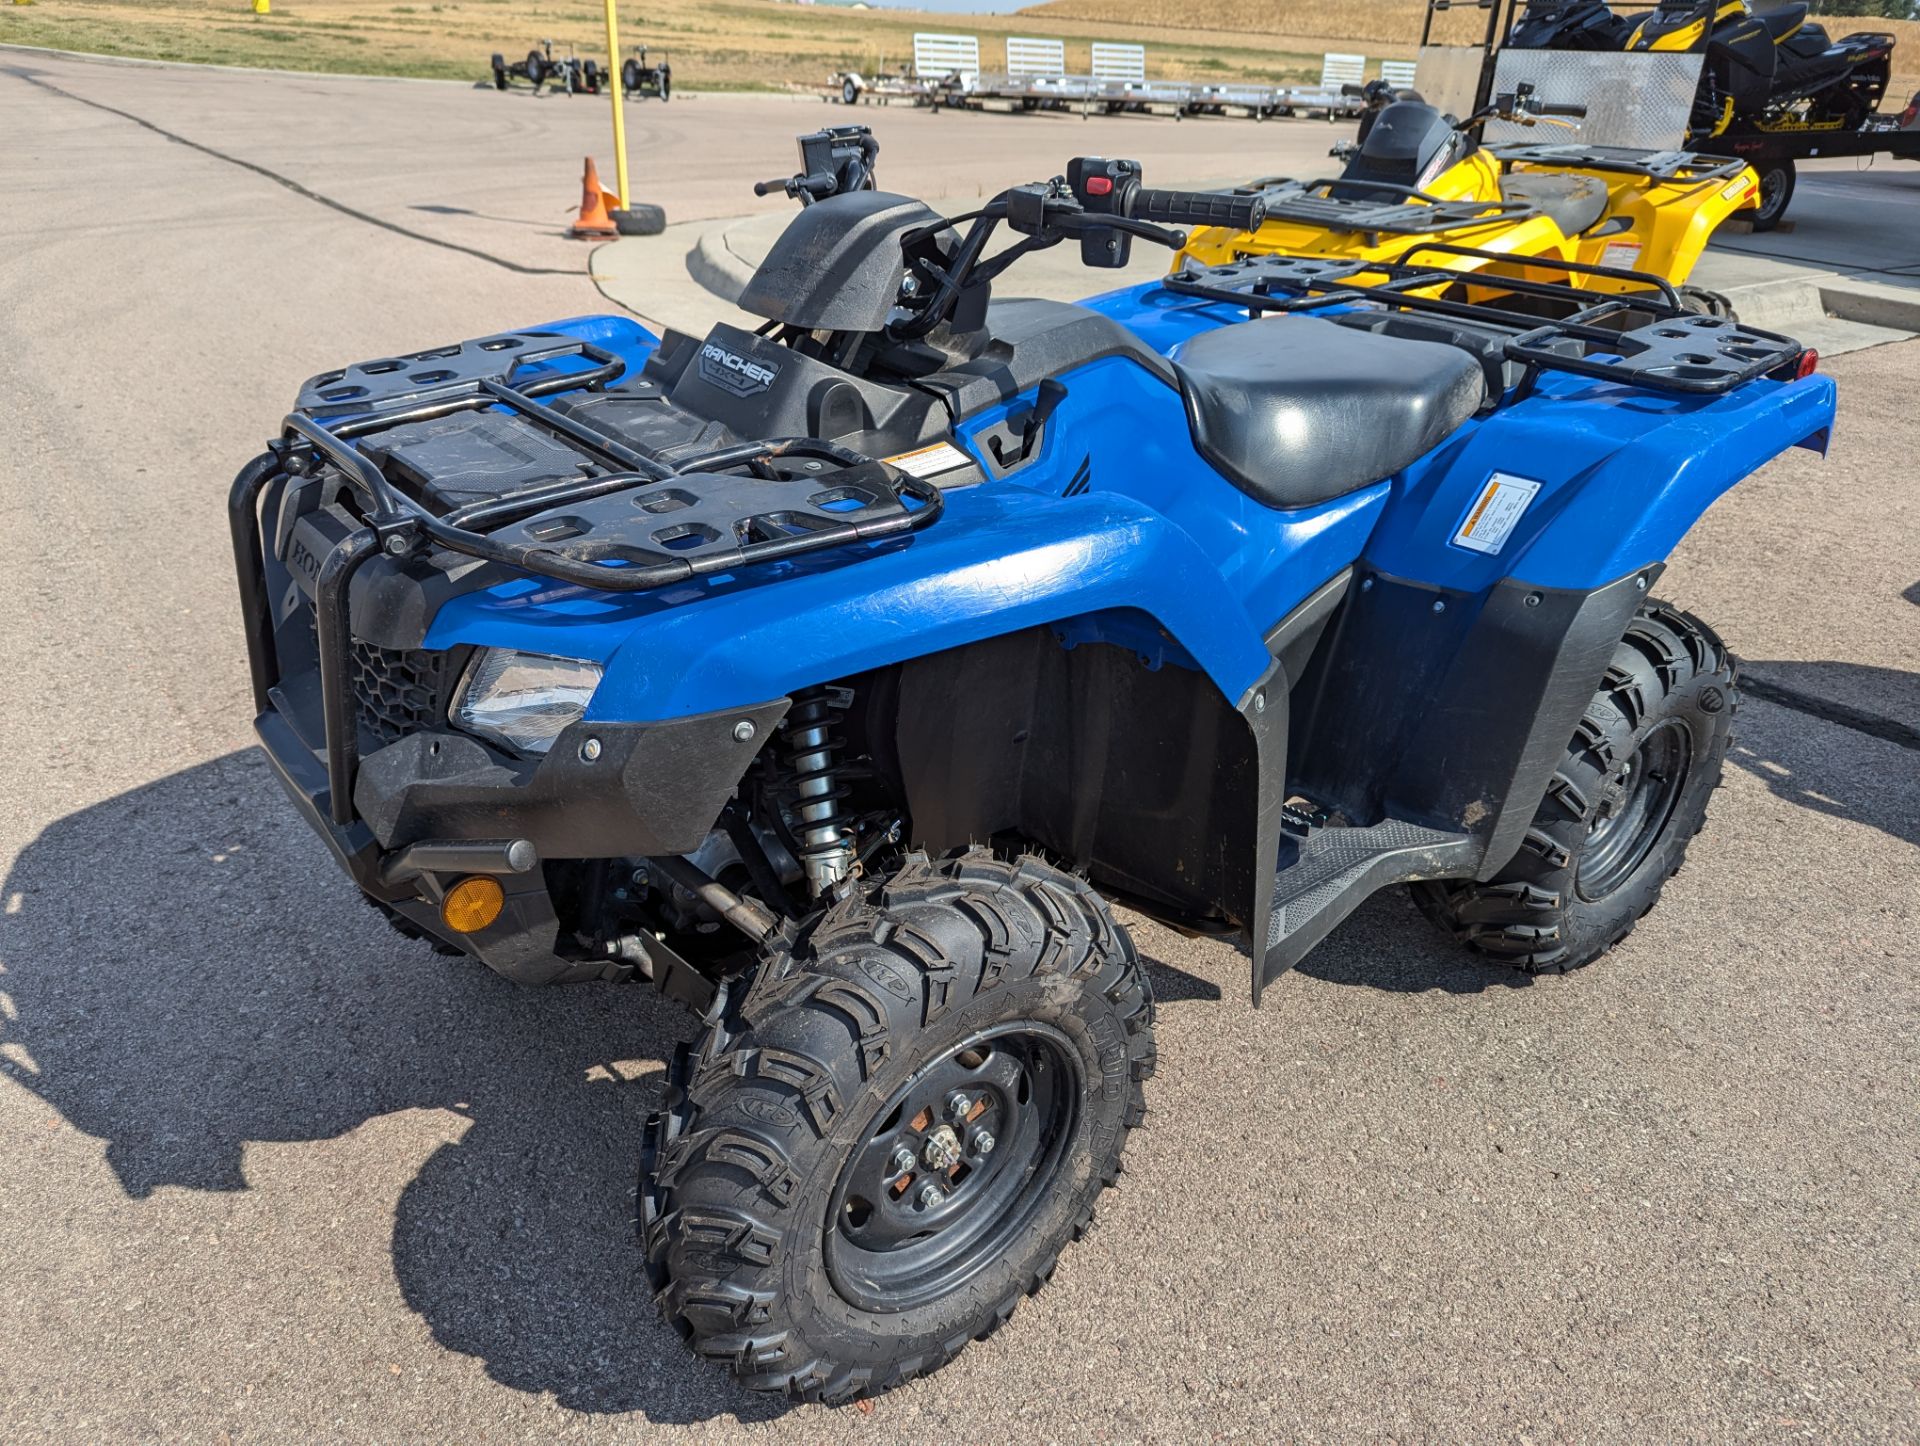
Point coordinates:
[(272, 1173)]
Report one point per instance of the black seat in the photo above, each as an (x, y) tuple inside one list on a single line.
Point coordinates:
[(1782, 22), (1573, 203), (1296, 411)]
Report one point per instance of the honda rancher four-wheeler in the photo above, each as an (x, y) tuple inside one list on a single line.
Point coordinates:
[(839, 676), (1420, 187)]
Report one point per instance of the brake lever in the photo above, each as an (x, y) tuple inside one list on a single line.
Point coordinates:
[(1147, 231)]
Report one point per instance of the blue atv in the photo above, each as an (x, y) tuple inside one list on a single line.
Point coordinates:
[(838, 676)]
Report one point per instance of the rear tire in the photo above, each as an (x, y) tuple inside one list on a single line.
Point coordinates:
[(784, 1238), (1614, 825), (1777, 180)]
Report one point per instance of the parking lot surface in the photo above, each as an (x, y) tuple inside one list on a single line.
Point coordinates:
[(273, 1173)]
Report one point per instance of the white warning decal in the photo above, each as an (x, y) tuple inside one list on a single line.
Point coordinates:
[(931, 461), (1621, 253), (1495, 512)]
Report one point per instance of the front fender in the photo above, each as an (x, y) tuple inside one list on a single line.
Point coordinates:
[(996, 563)]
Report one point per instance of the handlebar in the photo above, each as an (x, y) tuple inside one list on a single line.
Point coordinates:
[(1198, 208), (811, 185), (1578, 112)]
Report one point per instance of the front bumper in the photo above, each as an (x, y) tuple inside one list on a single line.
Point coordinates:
[(408, 819)]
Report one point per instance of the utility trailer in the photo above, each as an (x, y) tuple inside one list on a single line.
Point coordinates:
[(1776, 154), (945, 70)]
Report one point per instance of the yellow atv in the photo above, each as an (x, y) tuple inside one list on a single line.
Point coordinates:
[(1421, 189)]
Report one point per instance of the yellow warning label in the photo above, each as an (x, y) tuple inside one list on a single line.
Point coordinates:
[(1495, 513)]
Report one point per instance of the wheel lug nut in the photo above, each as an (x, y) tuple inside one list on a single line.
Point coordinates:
[(982, 1143), (958, 1105), (932, 1195), (903, 1159)]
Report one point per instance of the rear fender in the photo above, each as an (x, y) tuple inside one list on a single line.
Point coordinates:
[(1455, 677)]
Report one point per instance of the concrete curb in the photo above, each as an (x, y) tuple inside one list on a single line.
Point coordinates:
[(713, 264)]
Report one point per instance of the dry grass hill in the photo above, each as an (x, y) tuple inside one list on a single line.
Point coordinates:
[(747, 44)]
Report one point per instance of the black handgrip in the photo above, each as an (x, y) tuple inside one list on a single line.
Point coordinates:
[(1578, 111), (1198, 208)]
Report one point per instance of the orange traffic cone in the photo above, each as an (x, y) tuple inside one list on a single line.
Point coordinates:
[(593, 223)]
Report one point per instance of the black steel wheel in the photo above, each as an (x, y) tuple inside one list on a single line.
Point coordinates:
[(1635, 806), (666, 85), (849, 92), (953, 1167), (887, 1139), (536, 68), (1777, 180), (1627, 797)]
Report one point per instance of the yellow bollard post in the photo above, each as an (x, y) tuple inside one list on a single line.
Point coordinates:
[(263, 7), (614, 88)]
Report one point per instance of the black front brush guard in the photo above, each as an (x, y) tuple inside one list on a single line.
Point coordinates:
[(719, 512)]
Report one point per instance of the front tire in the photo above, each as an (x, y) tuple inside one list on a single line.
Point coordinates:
[(1629, 794), (868, 1159)]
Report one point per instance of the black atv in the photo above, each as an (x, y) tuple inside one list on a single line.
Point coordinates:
[(639, 78), (569, 73)]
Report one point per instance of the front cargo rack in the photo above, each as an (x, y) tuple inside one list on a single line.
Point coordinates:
[(627, 520), (1380, 208), (1645, 337)]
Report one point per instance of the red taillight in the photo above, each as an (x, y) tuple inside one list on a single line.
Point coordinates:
[(1809, 364)]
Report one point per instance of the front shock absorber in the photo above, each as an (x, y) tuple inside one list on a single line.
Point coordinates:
[(826, 842)]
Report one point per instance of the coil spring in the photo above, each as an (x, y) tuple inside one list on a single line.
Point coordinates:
[(813, 741)]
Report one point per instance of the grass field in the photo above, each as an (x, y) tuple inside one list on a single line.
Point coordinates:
[(713, 44), (751, 44)]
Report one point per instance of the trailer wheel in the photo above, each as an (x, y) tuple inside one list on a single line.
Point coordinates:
[(1777, 180), (536, 68), (666, 85), (887, 1138), (849, 92), (1614, 825)]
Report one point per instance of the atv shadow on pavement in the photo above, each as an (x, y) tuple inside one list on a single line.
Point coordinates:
[(189, 974), (1847, 763), (219, 984)]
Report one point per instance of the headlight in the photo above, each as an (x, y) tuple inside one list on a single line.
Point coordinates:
[(523, 700)]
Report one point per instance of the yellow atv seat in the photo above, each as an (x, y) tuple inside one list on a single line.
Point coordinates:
[(1573, 203), (1297, 411)]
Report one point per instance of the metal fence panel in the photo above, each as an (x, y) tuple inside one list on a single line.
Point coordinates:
[(943, 54), (1337, 70), (1036, 57), (1119, 62)]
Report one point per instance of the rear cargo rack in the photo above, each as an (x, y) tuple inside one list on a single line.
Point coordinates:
[(628, 520), (1623, 160), (1642, 338)]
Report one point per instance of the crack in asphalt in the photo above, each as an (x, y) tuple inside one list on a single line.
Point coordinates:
[(288, 182), (1874, 725)]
